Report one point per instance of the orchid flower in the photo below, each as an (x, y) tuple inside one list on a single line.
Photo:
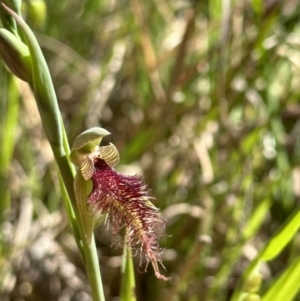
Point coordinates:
[(124, 200)]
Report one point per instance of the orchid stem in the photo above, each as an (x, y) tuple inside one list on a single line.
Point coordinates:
[(41, 83), (93, 274)]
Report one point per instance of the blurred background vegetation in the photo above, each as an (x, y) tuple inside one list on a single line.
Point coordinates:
[(201, 98)]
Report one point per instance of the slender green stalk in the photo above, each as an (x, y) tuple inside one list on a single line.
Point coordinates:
[(52, 121), (93, 274), (128, 281)]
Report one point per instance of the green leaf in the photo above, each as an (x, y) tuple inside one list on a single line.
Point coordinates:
[(271, 250), (287, 285), (282, 238), (257, 218)]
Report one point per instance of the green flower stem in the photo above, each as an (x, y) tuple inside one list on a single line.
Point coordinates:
[(128, 281), (52, 121), (93, 274)]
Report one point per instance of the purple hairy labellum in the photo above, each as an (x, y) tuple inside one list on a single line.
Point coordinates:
[(125, 200)]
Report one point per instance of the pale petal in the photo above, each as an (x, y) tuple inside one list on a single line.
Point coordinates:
[(86, 165), (109, 154)]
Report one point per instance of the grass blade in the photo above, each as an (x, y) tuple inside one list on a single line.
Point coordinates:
[(287, 285)]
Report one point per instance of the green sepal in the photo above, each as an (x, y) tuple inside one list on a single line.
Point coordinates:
[(83, 147), (82, 190), (89, 139)]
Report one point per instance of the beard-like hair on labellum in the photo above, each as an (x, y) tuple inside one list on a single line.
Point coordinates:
[(126, 201)]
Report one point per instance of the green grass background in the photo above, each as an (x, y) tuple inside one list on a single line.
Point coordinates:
[(202, 99)]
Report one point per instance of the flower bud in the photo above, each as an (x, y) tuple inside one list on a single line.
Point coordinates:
[(15, 54), (36, 12)]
